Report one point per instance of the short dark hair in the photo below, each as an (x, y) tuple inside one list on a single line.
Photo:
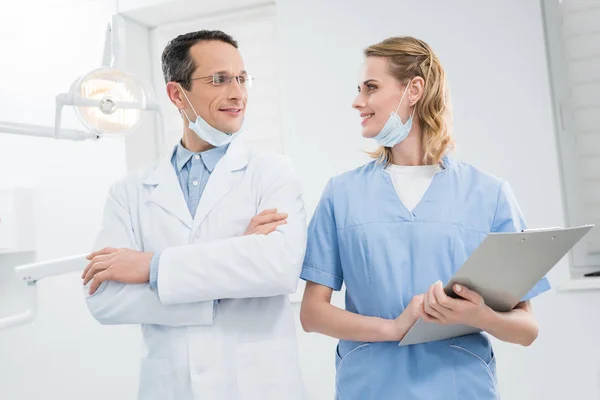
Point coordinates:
[(177, 64)]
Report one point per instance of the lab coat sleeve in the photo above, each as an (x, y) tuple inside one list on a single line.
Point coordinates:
[(245, 266), (509, 218), (322, 263), (117, 303)]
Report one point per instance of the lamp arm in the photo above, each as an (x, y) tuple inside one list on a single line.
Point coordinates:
[(30, 274), (25, 317)]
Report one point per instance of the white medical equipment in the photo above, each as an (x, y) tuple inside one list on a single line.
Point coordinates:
[(109, 103)]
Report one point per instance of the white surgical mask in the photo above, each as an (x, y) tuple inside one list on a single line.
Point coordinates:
[(394, 131), (207, 132)]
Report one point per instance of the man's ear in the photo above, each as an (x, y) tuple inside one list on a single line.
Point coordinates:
[(174, 92)]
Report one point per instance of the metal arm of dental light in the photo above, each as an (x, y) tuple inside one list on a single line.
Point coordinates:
[(107, 106), (30, 274)]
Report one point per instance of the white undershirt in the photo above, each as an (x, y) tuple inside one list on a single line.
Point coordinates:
[(411, 182)]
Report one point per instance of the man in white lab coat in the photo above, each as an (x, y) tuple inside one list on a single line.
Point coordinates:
[(203, 248)]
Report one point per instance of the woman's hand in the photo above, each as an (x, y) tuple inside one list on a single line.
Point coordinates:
[(437, 307), (401, 325)]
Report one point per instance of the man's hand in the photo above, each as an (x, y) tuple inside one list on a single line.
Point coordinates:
[(121, 265), (266, 222)]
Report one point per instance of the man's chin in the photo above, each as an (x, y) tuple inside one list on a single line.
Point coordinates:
[(230, 130)]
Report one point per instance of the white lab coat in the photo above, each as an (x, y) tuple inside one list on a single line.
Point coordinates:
[(244, 346)]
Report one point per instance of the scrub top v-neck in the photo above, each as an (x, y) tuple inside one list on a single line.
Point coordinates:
[(363, 236)]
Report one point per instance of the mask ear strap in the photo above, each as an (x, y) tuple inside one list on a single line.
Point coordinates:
[(189, 102), (183, 113), (402, 98)]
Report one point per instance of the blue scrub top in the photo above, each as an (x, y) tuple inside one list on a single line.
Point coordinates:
[(362, 235)]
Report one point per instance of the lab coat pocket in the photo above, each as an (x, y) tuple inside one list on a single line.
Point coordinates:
[(267, 369), (155, 380)]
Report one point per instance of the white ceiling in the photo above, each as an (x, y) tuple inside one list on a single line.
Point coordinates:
[(153, 13)]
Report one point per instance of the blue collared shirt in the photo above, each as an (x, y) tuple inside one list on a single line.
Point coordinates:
[(193, 171)]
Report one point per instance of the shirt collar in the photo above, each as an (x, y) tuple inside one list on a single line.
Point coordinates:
[(182, 156), (210, 158)]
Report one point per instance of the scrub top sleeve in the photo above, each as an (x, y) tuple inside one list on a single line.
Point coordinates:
[(322, 263), (509, 218)]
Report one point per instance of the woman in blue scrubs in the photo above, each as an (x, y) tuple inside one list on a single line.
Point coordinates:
[(394, 229)]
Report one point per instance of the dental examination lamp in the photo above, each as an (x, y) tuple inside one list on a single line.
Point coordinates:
[(109, 103)]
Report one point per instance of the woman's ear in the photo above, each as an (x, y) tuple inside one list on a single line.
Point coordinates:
[(415, 91)]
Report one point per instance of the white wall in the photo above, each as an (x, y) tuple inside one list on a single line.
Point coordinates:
[(494, 55), (64, 353)]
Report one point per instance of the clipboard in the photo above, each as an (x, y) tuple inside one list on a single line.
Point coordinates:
[(503, 269)]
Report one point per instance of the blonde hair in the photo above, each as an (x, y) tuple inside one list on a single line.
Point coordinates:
[(408, 58)]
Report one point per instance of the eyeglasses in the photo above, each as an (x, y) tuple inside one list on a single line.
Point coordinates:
[(220, 79)]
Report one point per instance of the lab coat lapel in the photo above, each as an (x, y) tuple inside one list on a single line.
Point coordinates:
[(167, 193), (223, 178)]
